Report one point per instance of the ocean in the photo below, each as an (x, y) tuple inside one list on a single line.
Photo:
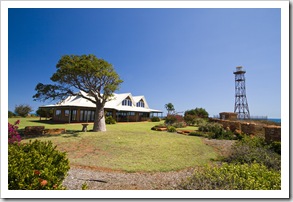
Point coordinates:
[(274, 120)]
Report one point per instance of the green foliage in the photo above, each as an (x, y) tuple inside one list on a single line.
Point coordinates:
[(197, 112), (170, 108), (84, 186), (10, 114), (198, 133), (216, 131), (171, 129), (250, 150), (155, 119), (234, 177), (36, 165), (180, 124), (42, 112), (23, 110), (91, 75), (190, 119), (276, 147), (110, 120)]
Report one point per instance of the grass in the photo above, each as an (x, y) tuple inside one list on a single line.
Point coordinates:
[(130, 147)]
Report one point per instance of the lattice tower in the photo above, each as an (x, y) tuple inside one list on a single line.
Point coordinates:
[(241, 105)]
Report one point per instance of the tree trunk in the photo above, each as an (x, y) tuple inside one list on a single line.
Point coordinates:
[(99, 123)]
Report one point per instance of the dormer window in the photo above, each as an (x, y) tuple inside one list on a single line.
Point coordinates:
[(127, 102), (140, 104)]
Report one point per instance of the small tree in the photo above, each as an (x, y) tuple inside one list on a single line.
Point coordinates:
[(10, 114), (44, 113), (95, 78), (197, 112), (23, 110), (170, 108)]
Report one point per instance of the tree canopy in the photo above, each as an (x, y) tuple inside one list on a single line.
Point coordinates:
[(23, 110), (170, 108), (87, 73), (198, 112)]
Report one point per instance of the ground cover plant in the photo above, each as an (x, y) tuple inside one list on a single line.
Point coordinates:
[(130, 147), (250, 150), (233, 177)]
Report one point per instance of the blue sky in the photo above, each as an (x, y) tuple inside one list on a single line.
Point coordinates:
[(183, 56)]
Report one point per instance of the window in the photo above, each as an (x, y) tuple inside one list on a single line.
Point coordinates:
[(127, 102), (140, 104), (81, 115), (58, 112), (92, 115), (66, 112), (108, 114), (73, 115)]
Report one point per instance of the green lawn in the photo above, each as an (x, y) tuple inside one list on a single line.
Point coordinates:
[(129, 147)]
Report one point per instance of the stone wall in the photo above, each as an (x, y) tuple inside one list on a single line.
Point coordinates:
[(269, 132), (272, 133)]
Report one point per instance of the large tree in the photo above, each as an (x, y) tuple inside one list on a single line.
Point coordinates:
[(87, 73)]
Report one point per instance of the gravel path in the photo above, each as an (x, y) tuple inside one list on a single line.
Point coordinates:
[(106, 179), (115, 180)]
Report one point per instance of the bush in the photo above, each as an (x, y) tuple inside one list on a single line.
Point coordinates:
[(216, 131), (233, 177), (250, 150), (197, 112), (190, 119), (36, 165), (23, 110), (171, 129), (179, 124), (276, 147), (110, 120), (10, 114), (155, 119), (198, 133), (175, 120), (13, 135)]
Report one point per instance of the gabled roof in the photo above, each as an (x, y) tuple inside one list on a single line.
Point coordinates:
[(115, 102)]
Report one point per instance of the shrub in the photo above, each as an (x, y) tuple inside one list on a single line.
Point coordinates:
[(155, 119), (110, 120), (10, 114), (233, 177), (197, 133), (200, 121), (13, 135), (216, 131), (179, 124), (23, 110), (250, 150), (175, 120), (171, 129), (43, 112), (198, 112), (190, 119), (36, 165), (276, 147)]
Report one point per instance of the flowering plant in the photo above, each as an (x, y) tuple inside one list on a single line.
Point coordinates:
[(13, 135)]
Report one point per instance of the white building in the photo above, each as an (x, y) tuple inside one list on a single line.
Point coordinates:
[(122, 107)]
